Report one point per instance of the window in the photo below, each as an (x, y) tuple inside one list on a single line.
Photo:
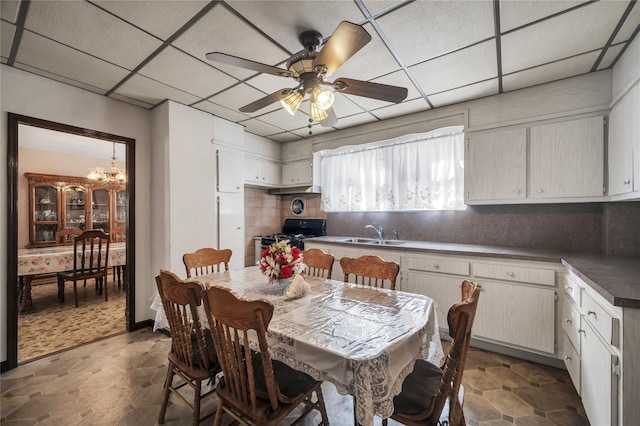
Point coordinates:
[(413, 172)]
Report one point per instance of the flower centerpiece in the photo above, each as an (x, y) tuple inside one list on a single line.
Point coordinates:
[(281, 261)]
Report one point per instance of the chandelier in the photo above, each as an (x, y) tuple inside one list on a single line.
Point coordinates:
[(113, 176)]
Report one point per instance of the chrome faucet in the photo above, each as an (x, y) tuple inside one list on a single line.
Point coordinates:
[(378, 230)]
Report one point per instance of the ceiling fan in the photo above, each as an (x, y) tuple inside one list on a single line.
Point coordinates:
[(311, 68)]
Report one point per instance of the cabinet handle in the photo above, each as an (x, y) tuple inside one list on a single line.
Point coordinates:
[(567, 320), (436, 266), (568, 358), (626, 182), (540, 191), (511, 274), (582, 331), (517, 191), (569, 289), (592, 313)]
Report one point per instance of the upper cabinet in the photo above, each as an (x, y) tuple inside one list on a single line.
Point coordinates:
[(229, 170), (261, 172), (497, 166), (624, 146), (297, 173), (567, 159), (556, 162)]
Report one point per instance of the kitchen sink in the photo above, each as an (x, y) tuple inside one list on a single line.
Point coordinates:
[(372, 241)]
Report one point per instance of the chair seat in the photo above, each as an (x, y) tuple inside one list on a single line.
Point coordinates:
[(292, 383), (418, 389)]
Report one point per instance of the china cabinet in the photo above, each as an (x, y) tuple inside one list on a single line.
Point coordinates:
[(58, 202)]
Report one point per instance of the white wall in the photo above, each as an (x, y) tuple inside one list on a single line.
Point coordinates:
[(30, 95)]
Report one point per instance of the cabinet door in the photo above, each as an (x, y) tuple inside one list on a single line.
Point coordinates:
[(517, 314), (45, 213), (100, 209), (567, 159), (271, 173), (624, 135), (231, 227), (230, 170), (252, 170), (599, 381), (497, 168), (444, 290), (75, 209), (297, 173)]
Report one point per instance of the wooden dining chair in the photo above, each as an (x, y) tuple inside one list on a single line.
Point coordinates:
[(255, 388), (207, 260), (65, 236), (432, 395), (370, 270), (319, 264), (119, 235), (90, 260), (189, 341)]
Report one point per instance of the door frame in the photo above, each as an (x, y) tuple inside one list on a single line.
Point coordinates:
[(12, 311)]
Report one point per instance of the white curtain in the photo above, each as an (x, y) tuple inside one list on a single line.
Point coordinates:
[(413, 172)]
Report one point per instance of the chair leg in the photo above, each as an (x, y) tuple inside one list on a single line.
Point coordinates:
[(165, 393), (321, 407), (61, 289), (105, 286), (218, 420), (196, 403), (75, 291)]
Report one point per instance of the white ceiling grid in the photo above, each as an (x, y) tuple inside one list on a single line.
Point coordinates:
[(443, 52)]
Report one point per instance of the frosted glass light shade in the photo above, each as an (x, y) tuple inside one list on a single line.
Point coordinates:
[(324, 98)]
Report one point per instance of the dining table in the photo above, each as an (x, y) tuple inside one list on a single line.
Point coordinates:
[(38, 261), (364, 340)]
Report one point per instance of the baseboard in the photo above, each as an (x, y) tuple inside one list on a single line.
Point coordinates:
[(143, 324)]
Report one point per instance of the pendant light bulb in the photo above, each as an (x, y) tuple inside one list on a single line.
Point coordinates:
[(324, 98)]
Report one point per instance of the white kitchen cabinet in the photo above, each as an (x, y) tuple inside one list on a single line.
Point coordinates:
[(231, 227), (443, 289), (297, 173), (624, 144), (261, 172), (497, 165), (229, 170), (521, 315), (567, 159)]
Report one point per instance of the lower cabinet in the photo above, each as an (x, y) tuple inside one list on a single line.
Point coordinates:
[(444, 290)]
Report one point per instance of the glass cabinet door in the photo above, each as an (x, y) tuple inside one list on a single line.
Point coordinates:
[(74, 197), (45, 211), (100, 208), (120, 207)]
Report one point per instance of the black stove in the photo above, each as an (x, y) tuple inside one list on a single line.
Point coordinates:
[(296, 230)]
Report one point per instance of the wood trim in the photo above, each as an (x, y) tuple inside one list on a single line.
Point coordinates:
[(13, 120)]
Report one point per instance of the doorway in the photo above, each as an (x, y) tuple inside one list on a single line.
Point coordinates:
[(16, 215)]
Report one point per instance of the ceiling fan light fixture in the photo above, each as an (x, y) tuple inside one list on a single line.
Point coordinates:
[(324, 98), (317, 113), (292, 101)]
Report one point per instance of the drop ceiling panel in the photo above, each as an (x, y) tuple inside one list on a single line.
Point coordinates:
[(45, 54), (221, 31), (316, 129), (7, 31), (160, 18), (610, 56), (260, 128), (61, 79), (9, 10), (285, 20), (407, 107), (473, 91), (355, 120), (220, 111), (284, 137), (514, 14), (377, 7), (629, 25), (152, 92), (457, 69), (550, 72), (343, 106), (175, 68), (131, 101), (373, 60), (85, 27), (424, 29), (269, 83), (241, 95), (556, 38), (398, 78)]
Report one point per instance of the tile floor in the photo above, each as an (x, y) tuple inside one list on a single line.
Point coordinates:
[(118, 381)]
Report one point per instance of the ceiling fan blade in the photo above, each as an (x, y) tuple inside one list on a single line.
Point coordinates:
[(331, 119), (383, 92), (267, 100), (247, 64), (345, 41)]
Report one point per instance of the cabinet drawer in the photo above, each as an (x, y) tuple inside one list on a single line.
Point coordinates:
[(603, 322), (571, 322), (515, 273), (571, 359), (438, 264), (573, 290)]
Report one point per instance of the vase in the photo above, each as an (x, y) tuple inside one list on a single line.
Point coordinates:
[(279, 285)]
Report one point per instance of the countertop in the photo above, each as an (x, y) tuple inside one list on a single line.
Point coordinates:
[(616, 278)]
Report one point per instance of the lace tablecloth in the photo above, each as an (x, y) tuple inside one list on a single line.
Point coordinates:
[(363, 340), (44, 260)]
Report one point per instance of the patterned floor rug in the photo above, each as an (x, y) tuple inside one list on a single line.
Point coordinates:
[(56, 326)]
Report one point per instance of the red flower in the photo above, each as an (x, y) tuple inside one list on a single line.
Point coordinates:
[(295, 251), (265, 252), (286, 271)]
